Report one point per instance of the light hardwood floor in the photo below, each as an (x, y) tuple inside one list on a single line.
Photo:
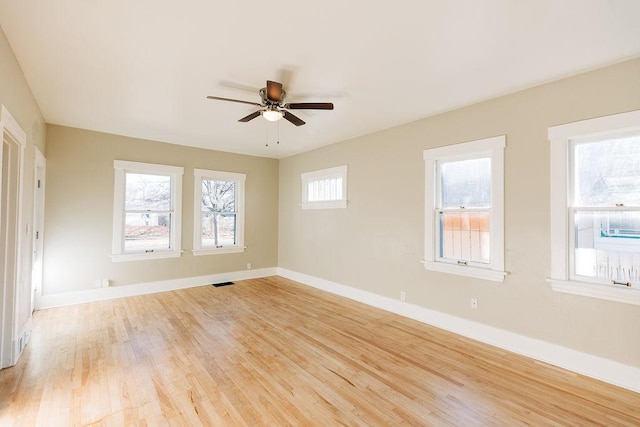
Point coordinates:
[(272, 352)]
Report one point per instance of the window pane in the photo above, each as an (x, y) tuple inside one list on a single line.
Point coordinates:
[(607, 172), (324, 189), (147, 192), (146, 231), (313, 194), (218, 229), (218, 196), (466, 183), (607, 245), (465, 236)]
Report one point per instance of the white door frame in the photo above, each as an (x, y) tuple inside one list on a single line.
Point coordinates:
[(13, 138), (40, 168)]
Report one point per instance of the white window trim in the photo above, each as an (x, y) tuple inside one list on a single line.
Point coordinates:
[(493, 146), (560, 140), (239, 178), (332, 204), (121, 167)]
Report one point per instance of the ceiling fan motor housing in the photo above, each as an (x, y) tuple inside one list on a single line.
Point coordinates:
[(266, 101)]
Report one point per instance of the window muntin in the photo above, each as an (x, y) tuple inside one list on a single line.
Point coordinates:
[(605, 209), (464, 232), (219, 212), (147, 211), (325, 189)]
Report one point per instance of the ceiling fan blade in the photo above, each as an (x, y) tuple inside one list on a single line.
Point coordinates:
[(293, 119), (309, 106), (234, 100), (274, 91), (250, 116)]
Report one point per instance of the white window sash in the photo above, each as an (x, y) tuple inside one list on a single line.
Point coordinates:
[(494, 148), (561, 200), (121, 168), (439, 237), (239, 202)]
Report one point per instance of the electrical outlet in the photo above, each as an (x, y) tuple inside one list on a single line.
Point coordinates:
[(403, 296), (248, 266), (474, 303)]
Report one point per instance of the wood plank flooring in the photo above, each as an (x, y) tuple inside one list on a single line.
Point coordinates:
[(272, 352)]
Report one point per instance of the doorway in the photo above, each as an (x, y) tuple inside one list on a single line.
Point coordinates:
[(13, 141), (38, 229)]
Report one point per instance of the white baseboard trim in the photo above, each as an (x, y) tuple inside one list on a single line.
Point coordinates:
[(20, 341), (615, 373), (101, 294)]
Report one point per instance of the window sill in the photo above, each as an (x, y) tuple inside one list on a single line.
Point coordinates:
[(460, 270), (594, 290), (142, 256), (338, 204), (216, 251)]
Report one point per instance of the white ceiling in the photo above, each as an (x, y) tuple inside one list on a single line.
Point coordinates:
[(143, 68)]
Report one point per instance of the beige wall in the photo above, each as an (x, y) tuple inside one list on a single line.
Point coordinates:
[(79, 210), (16, 96), (377, 242)]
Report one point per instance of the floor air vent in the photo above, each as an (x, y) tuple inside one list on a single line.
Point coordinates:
[(217, 285)]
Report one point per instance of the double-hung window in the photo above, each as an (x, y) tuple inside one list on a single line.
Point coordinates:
[(464, 231), (595, 207), (325, 189), (147, 211), (218, 212)]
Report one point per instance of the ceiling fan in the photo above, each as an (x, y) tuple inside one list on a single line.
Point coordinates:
[(273, 107)]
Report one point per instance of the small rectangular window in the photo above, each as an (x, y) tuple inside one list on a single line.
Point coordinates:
[(219, 212), (325, 189)]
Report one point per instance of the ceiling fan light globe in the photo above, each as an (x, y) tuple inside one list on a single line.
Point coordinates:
[(272, 115)]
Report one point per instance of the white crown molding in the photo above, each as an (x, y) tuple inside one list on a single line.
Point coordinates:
[(615, 373)]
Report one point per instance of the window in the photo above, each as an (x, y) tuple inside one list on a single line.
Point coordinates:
[(325, 189), (219, 212), (464, 231), (595, 207), (147, 211)]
